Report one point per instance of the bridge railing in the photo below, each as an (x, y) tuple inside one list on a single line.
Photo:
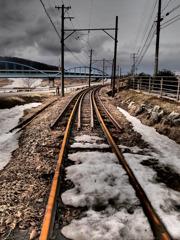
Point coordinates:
[(17, 70), (11, 69), (164, 86)]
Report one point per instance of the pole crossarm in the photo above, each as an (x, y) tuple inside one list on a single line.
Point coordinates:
[(108, 34), (110, 61), (90, 29), (69, 34)]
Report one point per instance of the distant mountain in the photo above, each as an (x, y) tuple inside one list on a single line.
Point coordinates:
[(37, 65)]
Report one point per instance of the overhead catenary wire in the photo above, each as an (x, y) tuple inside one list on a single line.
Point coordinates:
[(146, 44), (50, 19), (141, 24), (145, 32), (57, 30), (163, 8), (175, 8), (170, 21)]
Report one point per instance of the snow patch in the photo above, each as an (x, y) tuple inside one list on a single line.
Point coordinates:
[(9, 141), (86, 141), (102, 185), (166, 151)]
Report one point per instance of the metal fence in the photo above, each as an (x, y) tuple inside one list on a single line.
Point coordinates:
[(167, 87)]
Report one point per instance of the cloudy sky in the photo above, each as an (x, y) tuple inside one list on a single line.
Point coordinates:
[(27, 32)]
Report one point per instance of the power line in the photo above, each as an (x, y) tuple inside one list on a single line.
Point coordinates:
[(57, 30), (50, 19), (172, 10), (166, 5), (147, 26), (170, 21), (146, 44), (141, 23)]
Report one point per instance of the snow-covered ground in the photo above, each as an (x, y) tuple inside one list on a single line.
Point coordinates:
[(9, 141), (23, 82), (167, 153), (102, 185)]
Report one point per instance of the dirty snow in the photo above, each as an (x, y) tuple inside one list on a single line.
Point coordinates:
[(9, 118), (102, 185), (166, 152)]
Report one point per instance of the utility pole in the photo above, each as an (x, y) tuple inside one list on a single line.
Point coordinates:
[(103, 69), (134, 62), (115, 56), (118, 70), (90, 67), (157, 39), (62, 45)]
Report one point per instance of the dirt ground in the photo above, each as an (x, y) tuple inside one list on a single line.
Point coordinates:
[(5, 82), (162, 114), (26, 180)]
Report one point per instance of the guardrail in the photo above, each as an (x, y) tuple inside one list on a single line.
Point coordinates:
[(167, 87)]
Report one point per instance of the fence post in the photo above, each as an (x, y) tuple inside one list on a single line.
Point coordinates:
[(161, 86), (149, 84), (178, 89)]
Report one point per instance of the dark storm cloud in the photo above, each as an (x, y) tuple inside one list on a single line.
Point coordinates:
[(26, 31), (8, 21)]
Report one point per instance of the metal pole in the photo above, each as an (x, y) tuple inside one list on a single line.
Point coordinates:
[(115, 56), (112, 74), (157, 39), (62, 51), (90, 68), (103, 69)]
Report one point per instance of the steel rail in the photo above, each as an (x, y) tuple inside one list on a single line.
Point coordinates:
[(115, 123), (26, 122), (79, 111), (53, 125), (51, 206), (158, 228), (92, 115)]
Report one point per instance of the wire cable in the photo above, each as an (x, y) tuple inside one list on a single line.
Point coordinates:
[(50, 19), (170, 21), (57, 31)]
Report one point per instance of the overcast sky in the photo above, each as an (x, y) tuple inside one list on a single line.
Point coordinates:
[(27, 32)]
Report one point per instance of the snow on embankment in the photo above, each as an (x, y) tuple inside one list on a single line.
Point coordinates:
[(165, 153), (9, 141)]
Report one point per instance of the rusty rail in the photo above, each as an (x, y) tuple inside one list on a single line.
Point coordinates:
[(48, 222), (158, 228), (115, 123), (64, 110), (91, 107), (79, 111), (26, 122)]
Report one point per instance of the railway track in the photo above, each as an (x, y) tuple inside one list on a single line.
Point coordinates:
[(92, 178)]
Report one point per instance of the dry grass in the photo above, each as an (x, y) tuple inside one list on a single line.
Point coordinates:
[(10, 102)]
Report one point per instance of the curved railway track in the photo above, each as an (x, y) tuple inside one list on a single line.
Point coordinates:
[(88, 123)]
